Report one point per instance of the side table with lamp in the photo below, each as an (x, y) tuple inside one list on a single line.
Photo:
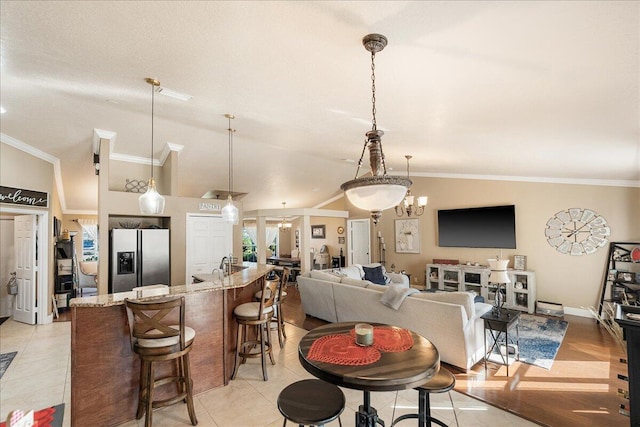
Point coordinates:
[(500, 320)]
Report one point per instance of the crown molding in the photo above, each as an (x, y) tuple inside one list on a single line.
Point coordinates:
[(331, 200), (168, 148), (15, 143), (133, 159), (99, 134), (540, 179), (57, 172)]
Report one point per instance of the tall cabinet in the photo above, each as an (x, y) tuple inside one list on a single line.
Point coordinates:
[(622, 274), (521, 292), (64, 271)]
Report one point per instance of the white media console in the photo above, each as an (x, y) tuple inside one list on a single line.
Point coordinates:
[(521, 292)]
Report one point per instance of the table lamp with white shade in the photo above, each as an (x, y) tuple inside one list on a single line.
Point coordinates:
[(499, 276)]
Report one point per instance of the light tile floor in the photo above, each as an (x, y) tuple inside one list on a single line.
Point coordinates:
[(39, 377)]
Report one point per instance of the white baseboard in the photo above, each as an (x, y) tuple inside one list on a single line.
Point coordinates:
[(582, 312)]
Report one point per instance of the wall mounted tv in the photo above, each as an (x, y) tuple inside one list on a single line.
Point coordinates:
[(484, 227)]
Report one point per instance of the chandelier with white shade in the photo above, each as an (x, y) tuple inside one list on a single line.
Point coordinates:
[(378, 191)]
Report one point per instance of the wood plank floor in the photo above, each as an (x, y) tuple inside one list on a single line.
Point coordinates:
[(580, 388)]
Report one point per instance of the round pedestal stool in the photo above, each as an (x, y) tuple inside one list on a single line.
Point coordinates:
[(442, 382), (311, 403)]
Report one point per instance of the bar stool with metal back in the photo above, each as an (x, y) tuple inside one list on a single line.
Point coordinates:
[(158, 333), (281, 295), (256, 314)]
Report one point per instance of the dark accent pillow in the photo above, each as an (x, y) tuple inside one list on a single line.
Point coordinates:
[(374, 275)]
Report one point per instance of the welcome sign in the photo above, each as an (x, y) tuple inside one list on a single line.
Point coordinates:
[(20, 196)]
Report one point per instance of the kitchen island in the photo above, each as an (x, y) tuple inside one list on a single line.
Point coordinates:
[(105, 371)]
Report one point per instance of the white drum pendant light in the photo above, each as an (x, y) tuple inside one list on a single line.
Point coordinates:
[(151, 202)]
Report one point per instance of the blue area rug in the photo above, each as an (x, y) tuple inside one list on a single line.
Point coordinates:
[(5, 361), (540, 339)]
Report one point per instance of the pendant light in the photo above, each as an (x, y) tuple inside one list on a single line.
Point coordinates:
[(230, 211), (409, 205), (377, 192), (151, 202), (284, 225)]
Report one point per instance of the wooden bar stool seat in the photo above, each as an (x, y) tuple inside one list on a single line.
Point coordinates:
[(158, 334), (311, 403), (442, 382), (257, 315)]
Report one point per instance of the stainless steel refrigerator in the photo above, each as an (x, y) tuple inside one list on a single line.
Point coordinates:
[(138, 258)]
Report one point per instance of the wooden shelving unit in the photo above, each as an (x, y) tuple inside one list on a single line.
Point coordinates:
[(621, 275)]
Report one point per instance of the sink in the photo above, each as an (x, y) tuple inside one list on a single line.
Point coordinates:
[(236, 268)]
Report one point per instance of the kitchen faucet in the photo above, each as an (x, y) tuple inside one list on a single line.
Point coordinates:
[(225, 264)]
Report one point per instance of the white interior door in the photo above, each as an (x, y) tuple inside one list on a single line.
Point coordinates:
[(25, 306), (359, 245), (209, 238)]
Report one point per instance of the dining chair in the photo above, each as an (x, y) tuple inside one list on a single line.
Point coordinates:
[(87, 274), (157, 337), (256, 314)]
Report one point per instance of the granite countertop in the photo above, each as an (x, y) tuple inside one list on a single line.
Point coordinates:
[(250, 274)]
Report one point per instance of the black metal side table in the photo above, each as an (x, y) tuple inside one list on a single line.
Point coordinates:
[(499, 323)]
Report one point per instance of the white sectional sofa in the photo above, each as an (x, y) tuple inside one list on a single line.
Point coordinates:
[(450, 320)]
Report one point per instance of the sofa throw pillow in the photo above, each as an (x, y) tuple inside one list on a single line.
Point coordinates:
[(374, 275)]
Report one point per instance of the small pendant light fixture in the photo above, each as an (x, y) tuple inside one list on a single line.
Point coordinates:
[(285, 224), (408, 205), (230, 211), (377, 192), (151, 202)]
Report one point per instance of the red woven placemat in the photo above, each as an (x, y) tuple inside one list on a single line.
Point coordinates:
[(342, 349), (391, 340)]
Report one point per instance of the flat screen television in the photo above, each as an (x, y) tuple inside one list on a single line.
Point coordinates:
[(484, 227)]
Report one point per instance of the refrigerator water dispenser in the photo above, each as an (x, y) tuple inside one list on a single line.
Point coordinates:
[(126, 263)]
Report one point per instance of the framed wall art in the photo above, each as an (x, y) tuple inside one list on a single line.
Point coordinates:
[(519, 262), (407, 236), (318, 231)]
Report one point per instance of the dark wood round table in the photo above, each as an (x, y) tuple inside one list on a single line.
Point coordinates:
[(393, 371)]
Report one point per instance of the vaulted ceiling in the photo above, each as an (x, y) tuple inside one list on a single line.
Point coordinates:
[(516, 90)]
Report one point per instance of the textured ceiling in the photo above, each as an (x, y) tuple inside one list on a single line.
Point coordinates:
[(537, 90)]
